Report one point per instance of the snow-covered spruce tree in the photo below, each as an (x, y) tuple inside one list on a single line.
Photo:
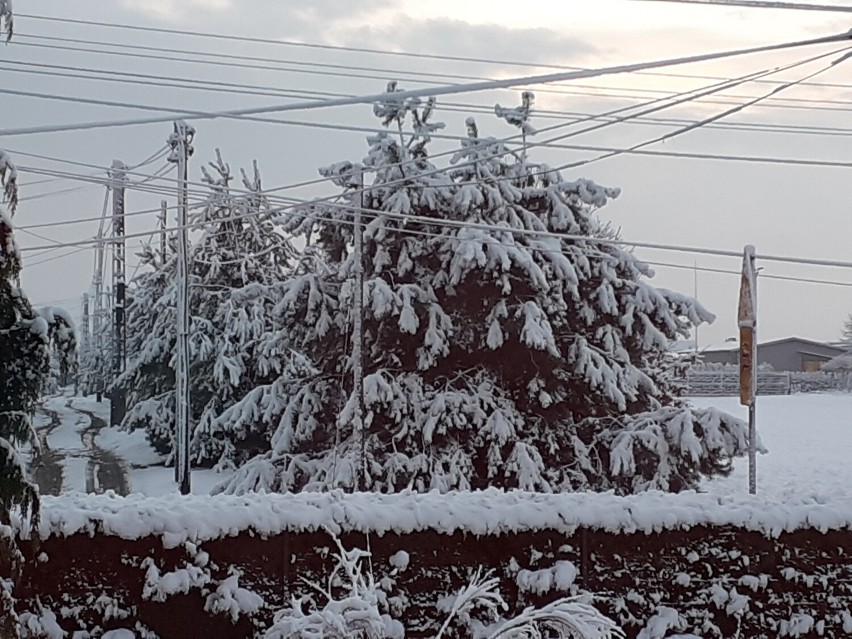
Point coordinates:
[(95, 362), (24, 367), (24, 364), (237, 248), (62, 336), (846, 333), (496, 352)]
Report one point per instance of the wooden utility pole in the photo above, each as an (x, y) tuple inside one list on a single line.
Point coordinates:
[(747, 320), (181, 144), (117, 399)]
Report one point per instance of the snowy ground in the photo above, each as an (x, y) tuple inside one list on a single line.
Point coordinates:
[(81, 454), (809, 438)]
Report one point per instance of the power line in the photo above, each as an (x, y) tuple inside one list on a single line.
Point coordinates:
[(708, 120), (536, 249), (659, 102), (57, 257), (686, 96), (172, 82), (707, 269), (434, 91), (40, 196), (764, 4), (692, 127), (220, 56), (146, 79), (499, 229), (260, 90)]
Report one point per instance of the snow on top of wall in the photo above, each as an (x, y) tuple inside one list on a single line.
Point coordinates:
[(178, 518)]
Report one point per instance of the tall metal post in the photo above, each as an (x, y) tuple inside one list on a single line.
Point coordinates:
[(695, 295), (84, 324), (162, 224), (747, 320), (181, 145), (98, 307), (359, 427), (85, 340), (118, 400)]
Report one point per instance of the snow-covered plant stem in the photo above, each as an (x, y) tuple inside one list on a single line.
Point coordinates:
[(566, 618)]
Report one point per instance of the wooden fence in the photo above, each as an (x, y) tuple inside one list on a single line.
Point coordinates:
[(727, 382)]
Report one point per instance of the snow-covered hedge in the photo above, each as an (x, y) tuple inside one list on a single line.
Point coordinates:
[(180, 518), (655, 564)]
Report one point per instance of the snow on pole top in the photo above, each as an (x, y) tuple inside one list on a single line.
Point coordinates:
[(177, 518)]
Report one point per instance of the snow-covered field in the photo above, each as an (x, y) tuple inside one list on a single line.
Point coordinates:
[(809, 438)]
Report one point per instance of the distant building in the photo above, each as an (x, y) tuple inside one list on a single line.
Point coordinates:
[(793, 354)]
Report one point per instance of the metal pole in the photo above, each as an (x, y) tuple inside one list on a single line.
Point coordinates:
[(162, 223), (180, 142), (118, 175), (752, 456), (752, 407), (85, 342), (98, 311), (747, 320), (359, 433), (695, 295)]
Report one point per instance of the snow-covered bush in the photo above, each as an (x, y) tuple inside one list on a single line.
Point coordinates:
[(497, 351), (350, 607), (355, 606), (566, 618), (221, 596)]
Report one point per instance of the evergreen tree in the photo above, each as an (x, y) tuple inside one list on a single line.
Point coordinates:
[(62, 337), (237, 249), (24, 364), (496, 353), (846, 335), (95, 364)]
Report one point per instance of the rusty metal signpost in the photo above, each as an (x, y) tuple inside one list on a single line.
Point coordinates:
[(747, 320)]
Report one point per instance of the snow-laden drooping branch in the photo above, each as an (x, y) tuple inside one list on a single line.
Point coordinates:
[(6, 18)]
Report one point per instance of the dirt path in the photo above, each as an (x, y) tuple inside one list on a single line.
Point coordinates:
[(104, 470), (47, 463)]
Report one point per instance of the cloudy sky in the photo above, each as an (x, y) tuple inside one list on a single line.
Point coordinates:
[(789, 205)]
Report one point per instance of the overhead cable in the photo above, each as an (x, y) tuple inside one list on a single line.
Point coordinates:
[(765, 4), (434, 91)]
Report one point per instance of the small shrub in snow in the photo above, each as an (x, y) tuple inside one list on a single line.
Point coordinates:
[(560, 577), (659, 625), (39, 625), (477, 609), (222, 596), (348, 611)]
